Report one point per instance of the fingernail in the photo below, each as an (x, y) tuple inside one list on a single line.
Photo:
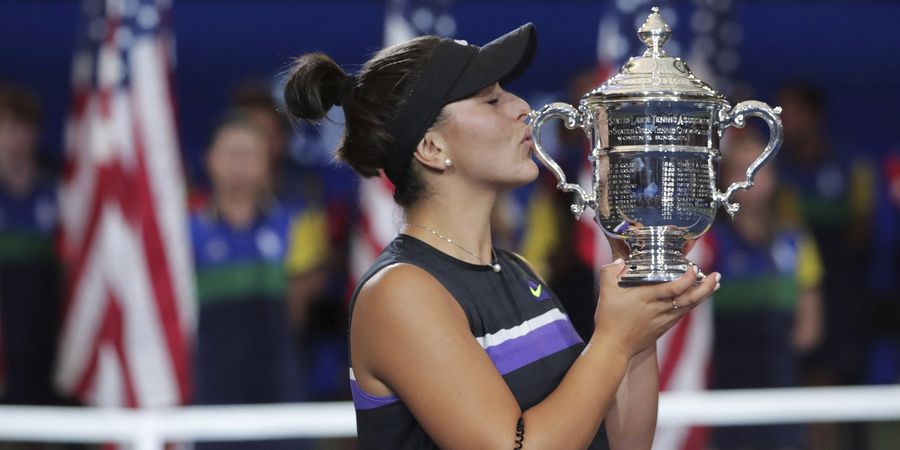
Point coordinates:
[(618, 261), (718, 277), (717, 287)]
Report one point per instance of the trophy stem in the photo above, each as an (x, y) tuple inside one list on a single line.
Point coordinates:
[(655, 256)]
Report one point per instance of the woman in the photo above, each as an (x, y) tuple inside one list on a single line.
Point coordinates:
[(247, 248), (769, 315), (453, 343)]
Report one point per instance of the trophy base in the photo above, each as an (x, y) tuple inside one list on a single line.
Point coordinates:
[(656, 257)]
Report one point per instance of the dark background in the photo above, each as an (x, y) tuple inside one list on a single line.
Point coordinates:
[(849, 48)]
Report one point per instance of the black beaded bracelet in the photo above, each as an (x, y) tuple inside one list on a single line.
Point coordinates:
[(520, 433)]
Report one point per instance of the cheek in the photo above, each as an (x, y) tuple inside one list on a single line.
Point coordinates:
[(765, 183), (258, 171), (236, 166), (480, 130), (249, 167), (762, 190)]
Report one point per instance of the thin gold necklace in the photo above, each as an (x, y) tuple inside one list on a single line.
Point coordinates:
[(493, 264)]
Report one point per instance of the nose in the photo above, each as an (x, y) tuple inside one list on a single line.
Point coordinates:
[(521, 108)]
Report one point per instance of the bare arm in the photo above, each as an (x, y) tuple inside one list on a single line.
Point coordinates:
[(807, 331), (411, 338), (631, 422)]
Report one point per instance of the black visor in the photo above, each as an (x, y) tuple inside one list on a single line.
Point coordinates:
[(456, 71)]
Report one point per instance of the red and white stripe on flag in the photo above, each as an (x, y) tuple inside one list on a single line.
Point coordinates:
[(379, 222), (684, 354), (128, 317)]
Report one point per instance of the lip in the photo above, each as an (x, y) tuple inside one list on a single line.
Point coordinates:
[(527, 137)]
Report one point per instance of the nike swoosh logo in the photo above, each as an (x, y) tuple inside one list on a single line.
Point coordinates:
[(536, 292)]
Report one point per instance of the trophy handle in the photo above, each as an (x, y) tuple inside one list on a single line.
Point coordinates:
[(736, 117), (573, 118)]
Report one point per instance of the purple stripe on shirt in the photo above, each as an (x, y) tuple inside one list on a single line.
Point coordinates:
[(363, 400), (538, 343)]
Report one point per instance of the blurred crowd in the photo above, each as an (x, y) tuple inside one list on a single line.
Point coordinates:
[(810, 265)]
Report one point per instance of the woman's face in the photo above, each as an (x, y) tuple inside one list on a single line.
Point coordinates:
[(238, 160), (486, 138), (737, 158), (18, 140)]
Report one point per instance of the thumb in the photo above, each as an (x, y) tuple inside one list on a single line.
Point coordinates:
[(609, 273)]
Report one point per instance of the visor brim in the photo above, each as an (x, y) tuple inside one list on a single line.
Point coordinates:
[(501, 60)]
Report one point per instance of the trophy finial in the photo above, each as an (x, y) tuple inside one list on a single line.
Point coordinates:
[(654, 33)]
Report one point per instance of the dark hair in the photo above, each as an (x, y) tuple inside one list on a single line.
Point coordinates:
[(806, 92), (20, 102), (256, 96), (235, 118), (371, 102)]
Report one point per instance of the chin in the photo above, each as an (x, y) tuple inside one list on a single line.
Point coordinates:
[(533, 171), (528, 173)]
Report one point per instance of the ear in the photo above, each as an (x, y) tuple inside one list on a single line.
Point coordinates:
[(431, 151)]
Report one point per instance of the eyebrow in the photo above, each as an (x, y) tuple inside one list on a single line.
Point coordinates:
[(487, 90)]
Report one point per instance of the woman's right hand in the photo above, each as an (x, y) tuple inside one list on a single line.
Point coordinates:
[(635, 317)]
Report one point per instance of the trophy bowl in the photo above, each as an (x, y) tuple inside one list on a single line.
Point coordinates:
[(654, 130)]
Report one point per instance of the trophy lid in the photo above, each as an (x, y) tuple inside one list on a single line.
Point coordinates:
[(653, 74)]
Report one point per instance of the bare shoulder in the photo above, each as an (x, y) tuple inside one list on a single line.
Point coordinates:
[(399, 306), (399, 291), (411, 338)]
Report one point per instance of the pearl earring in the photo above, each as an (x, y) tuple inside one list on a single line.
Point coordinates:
[(447, 163)]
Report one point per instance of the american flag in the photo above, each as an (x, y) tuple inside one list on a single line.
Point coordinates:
[(129, 313), (380, 217), (715, 35), (684, 352)]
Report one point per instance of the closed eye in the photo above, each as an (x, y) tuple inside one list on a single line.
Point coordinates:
[(494, 101)]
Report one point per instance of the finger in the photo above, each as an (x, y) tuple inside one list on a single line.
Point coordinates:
[(697, 295), (675, 288), (609, 274)]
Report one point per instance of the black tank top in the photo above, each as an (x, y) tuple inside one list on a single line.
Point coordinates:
[(512, 314)]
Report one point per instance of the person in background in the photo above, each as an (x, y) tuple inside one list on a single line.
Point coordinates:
[(29, 269), (315, 307), (768, 312), (289, 181), (829, 190), (246, 248), (294, 188)]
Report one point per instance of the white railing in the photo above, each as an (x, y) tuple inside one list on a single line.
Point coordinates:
[(148, 429)]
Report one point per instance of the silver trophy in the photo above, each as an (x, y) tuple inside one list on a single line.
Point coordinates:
[(654, 130)]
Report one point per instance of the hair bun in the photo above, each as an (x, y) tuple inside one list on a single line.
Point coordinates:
[(316, 83), (346, 86)]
